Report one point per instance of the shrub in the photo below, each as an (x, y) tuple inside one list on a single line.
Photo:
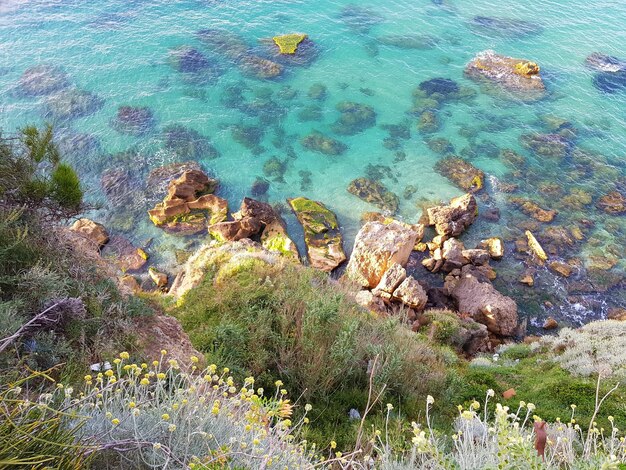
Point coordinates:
[(598, 347), (155, 415), (505, 440), (32, 174), (36, 434), (277, 320)]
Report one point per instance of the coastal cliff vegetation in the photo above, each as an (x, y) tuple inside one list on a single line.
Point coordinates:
[(276, 365)]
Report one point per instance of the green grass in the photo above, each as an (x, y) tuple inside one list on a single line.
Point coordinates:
[(537, 379)]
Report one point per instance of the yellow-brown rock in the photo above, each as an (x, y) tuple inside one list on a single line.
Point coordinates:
[(92, 231), (376, 248), (535, 247)]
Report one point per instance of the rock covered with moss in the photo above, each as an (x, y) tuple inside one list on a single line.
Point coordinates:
[(520, 76), (227, 255), (189, 205), (288, 43), (322, 236)]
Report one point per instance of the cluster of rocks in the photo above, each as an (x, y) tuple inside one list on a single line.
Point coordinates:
[(93, 238), (379, 259), (189, 206), (291, 49)]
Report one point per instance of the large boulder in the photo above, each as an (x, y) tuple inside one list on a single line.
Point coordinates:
[(376, 248), (390, 281), (453, 219), (321, 233), (411, 294), (484, 303), (189, 207), (519, 76), (92, 231)]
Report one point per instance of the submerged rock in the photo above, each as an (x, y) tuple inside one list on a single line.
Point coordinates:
[(260, 67), (187, 59), (275, 168), (611, 76), (376, 248), (409, 41), (223, 42), (360, 19), (133, 120), (188, 143), (375, 193), (503, 27), (318, 92), (519, 76), (318, 142), (248, 136), (355, 118), (72, 103), (613, 203), (547, 145), (440, 88), (604, 63), (43, 80), (453, 219), (428, 122), (532, 209), (321, 233), (462, 173)]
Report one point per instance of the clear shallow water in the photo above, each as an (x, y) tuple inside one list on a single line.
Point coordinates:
[(120, 51)]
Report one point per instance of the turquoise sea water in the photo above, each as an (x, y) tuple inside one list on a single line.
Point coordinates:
[(121, 51)]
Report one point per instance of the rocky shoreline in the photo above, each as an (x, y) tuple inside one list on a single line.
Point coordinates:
[(376, 270)]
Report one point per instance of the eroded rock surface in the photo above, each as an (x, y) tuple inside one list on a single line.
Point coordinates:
[(376, 248)]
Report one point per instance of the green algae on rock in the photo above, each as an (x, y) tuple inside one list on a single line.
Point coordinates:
[(354, 118), (321, 233), (519, 76), (462, 173), (375, 193), (532, 209), (288, 43), (318, 142)]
